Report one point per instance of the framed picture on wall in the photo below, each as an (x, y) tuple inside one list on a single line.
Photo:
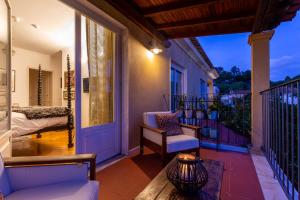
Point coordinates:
[(3, 80), (65, 95), (72, 79), (13, 80)]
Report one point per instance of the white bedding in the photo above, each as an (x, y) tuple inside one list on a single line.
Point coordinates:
[(20, 125)]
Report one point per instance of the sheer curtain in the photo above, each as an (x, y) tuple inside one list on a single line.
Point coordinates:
[(100, 53)]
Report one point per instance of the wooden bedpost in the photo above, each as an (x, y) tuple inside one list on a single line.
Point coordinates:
[(39, 92), (70, 116)]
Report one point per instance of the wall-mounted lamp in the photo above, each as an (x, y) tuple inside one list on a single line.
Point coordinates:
[(154, 48)]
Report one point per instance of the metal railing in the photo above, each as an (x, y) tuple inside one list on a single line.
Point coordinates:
[(223, 118), (281, 133)]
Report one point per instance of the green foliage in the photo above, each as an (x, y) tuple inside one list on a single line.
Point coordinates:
[(235, 79), (287, 79), (236, 116)]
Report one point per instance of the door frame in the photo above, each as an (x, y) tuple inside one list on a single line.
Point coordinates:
[(86, 8), (6, 138)]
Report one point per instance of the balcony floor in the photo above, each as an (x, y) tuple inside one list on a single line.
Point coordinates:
[(128, 177)]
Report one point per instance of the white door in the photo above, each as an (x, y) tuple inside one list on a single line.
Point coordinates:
[(97, 93), (5, 79)]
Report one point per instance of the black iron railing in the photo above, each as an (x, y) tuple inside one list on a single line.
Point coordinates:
[(281, 132), (224, 119)]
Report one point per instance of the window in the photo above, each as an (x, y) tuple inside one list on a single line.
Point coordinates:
[(177, 83), (203, 89)]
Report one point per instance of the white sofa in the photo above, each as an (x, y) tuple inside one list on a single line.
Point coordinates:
[(49, 178), (157, 139)]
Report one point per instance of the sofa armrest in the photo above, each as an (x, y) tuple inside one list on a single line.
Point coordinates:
[(196, 128), (156, 130), (53, 160)]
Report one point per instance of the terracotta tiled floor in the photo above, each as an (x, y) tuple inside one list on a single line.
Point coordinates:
[(128, 177)]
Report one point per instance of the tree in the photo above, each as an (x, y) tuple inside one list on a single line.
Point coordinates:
[(235, 79)]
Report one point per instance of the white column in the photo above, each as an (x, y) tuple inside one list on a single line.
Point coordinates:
[(260, 80)]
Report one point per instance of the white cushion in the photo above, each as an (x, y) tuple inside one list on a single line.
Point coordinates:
[(174, 143), (5, 188), (150, 120), (36, 176), (152, 136), (87, 190), (188, 131), (181, 142)]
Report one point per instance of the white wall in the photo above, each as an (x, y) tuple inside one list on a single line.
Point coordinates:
[(194, 71), (21, 62), (56, 65)]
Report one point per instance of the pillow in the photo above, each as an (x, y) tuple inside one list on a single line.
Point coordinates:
[(169, 123)]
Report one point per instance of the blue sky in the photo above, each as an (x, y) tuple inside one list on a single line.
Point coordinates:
[(233, 50)]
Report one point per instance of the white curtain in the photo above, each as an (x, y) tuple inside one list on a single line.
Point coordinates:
[(100, 51)]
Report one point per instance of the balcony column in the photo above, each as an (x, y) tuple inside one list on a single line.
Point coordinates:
[(260, 80)]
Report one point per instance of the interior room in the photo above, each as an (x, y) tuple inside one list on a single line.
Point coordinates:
[(43, 88)]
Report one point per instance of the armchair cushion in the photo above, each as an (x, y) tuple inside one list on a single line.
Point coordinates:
[(45, 175), (150, 119), (5, 188), (169, 123), (181, 142), (87, 190)]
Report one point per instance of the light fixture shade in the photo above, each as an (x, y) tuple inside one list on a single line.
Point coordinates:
[(154, 48)]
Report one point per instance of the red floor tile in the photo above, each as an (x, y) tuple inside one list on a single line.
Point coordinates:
[(128, 177)]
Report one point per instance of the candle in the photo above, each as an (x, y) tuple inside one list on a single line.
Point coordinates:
[(186, 169)]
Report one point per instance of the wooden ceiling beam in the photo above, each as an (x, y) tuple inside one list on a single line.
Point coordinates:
[(271, 13), (179, 5), (195, 33), (131, 13), (204, 21)]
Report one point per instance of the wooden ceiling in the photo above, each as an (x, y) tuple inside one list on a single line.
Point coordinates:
[(190, 18)]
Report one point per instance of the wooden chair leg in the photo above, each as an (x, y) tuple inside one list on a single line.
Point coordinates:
[(141, 149), (164, 149), (141, 141)]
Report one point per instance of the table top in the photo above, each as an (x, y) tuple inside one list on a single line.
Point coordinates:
[(160, 188)]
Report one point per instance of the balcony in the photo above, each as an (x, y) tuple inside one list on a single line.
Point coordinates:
[(128, 177), (270, 174)]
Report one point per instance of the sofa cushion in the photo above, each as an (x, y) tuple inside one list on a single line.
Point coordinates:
[(169, 123), (4, 181), (181, 142), (83, 190), (150, 119)]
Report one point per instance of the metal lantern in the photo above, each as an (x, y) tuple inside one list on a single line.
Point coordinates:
[(187, 174)]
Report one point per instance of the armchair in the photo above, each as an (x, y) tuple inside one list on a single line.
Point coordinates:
[(158, 141), (45, 178)]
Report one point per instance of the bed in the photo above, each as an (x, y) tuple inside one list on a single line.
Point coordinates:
[(39, 119)]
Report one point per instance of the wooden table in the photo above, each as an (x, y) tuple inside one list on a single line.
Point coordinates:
[(161, 189)]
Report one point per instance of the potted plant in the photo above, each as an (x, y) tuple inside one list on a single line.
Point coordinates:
[(180, 108), (189, 111)]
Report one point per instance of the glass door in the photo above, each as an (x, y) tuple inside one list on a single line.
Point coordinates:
[(5, 73), (97, 98)]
